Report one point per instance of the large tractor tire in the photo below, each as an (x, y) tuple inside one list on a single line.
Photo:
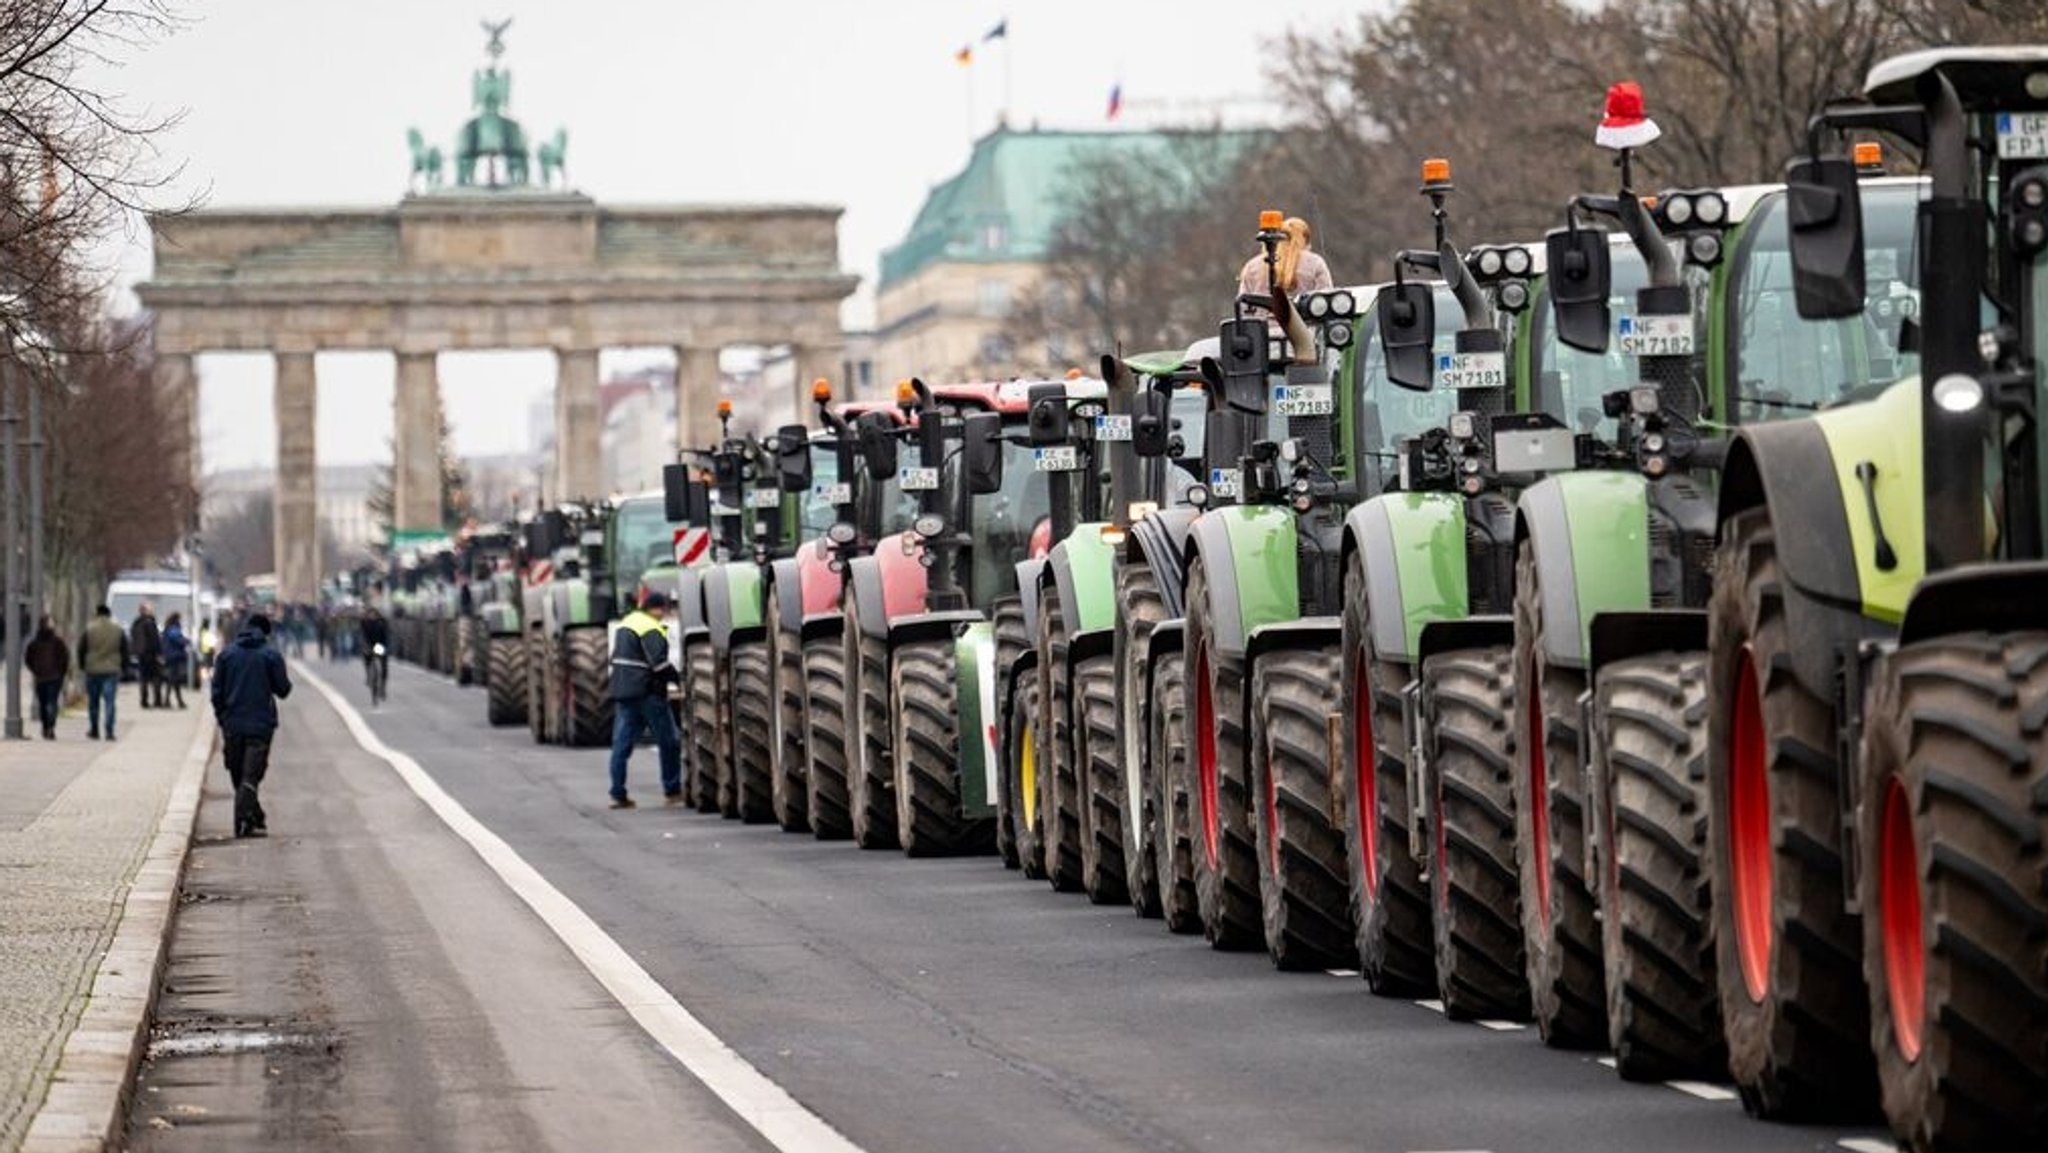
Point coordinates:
[(752, 732), (871, 779), (534, 645), (929, 820), (1099, 779), (791, 756), (1138, 608), (1022, 758), (700, 709), (1786, 952), (505, 685), (1011, 644), (1059, 786), (1226, 853), (554, 663), (1955, 925), (1389, 902), (1304, 887), (825, 739), (1656, 918), (1468, 706), (1173, 797), (588, 707), (467, 633), (1560, 928)]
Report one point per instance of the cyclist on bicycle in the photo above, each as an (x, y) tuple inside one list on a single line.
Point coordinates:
[(376, 650)]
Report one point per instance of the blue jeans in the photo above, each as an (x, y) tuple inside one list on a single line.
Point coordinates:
[(101, 687), (646, 714)]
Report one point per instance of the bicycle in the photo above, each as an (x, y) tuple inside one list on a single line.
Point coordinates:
[(379, 672)]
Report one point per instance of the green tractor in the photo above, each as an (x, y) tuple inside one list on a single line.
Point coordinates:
[(1877, 773), (494, 638)]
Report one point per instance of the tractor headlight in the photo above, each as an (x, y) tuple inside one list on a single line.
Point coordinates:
[(1711, 208), (1517, 261), (1316, 306), (1958, 392), (1343, 304), (1653, 442), (1338, 334), (1489, 262), (1470, 466), (841, 532), (1704, 249), (929, 525), (1463, 427), (1514, 295), (1678, 209), (1197, 496), (1644, 401)]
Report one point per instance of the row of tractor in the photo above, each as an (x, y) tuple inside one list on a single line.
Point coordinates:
[(1642, 631)]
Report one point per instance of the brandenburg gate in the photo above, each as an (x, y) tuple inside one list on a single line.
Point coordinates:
[(494, 261)]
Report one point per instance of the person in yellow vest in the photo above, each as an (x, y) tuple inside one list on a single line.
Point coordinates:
[(641, 673)]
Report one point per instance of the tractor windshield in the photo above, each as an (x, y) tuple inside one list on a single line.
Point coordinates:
[(1570, 381), (641, 537), (815, 512), (1388, 413), (1005, 520), (1785, 365)]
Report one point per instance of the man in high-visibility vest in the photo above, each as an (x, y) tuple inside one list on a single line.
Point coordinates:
[(640, 675)]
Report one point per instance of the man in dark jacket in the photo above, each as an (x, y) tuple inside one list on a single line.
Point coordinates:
[(640, 677), (102, 654), (248, 680), (49, 662), (146, 642)]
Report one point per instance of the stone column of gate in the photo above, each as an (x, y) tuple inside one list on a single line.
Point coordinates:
[(813, 361), (579, 426), (180, 385), (297, 531), (698, 382), (416, 441)]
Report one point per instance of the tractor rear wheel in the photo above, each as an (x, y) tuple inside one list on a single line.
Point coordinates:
[(790, 758), (1468, 704), (1173, 794), (1138, 608), (1650, 805), (871, 780), (752, 732), (700, 706), (1793, 1007), (1304, 889), (1021, 761), (1011, 643), (505, 686), (1226, 854), (1560, 929), (1099, 780), (1389, 903), (1954, 773), (825, 739), (467, 632), (590, 689), (534, 646), (1059, 789), (929, 822)]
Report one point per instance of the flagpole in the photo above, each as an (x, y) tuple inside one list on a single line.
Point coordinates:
[(969, 70), (1008, 109)]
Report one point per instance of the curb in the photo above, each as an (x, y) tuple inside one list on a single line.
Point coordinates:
[(84, 1110)]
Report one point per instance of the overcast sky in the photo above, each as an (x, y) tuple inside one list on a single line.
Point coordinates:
[(287, 102)]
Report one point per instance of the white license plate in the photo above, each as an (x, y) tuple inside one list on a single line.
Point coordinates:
[(1113, 427), (764, 498), (1655, 335), (1303, 400), (1057, 458), (841, 493), (2023, 135), (1224, 482), (1472, 370), (918, 479)]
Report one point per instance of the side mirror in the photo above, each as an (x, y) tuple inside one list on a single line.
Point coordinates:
[(981, 450), (877, 436), (1050, 422), (793, 458), (683, 499), (1151, 423), (729, 473), (1580, 277), (1407, 322), (1247, 358), (1825, 214)]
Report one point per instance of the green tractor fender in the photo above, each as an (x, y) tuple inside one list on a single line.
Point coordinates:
[(569, 603), (1413, 546), (976, 677), (1248, 554), (733, 605), (500, 618), (1083, 568), (1591, 536), (1806, 472)]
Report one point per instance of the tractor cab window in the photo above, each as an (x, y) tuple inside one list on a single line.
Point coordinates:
[(1387, 413), (642, 537), (815, 512), (1570, 382), (1788, 366), (1004, 521), (1189, 411)]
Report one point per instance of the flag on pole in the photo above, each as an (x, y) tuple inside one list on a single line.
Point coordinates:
[(1116, 99), (965, 56), (999, 32)]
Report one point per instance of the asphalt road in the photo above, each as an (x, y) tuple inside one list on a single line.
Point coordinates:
[(915, 1005)]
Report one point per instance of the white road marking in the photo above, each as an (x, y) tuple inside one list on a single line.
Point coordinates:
[(1867, 1145), (1610, 1062), (1341, 972), (1503, 1026), (1703, 1091), (1432, 1006), (760, 1102)]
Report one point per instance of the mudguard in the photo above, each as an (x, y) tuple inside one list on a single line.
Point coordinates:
[(1248, 552), (1837, 593), (901, 575), (864, 584), (974, 667), (1447, 636), (2001, 597), (1084, 569), (732, 602), (787, 583), (1301, 633), (1413, 546), (1029, 572), (928, 626), (690, 599), (1161, 538), (1619, 636), (500, 619), (820, 584), (1591, 533)]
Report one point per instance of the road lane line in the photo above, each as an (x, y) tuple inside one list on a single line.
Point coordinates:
[(1867, 1145), (1502, 1026), (1432, 1006), (1703, 1091), (1607, 1061), (778, 1117)]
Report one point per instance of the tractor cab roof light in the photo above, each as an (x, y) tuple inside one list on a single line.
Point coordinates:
[(1869, 155)]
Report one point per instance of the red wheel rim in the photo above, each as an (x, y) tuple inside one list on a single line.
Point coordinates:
[(1749, 830), (1364, 757), (1539, 794), (1905, 961), (1205, 755)]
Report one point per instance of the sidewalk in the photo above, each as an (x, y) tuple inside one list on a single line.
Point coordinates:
[(92, 838)]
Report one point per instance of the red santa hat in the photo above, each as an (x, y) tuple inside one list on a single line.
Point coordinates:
[(1625, 125)]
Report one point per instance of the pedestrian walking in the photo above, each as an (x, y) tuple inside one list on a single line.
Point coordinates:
[(177, 658), (248, 681), (102, 654), (146, 641), (641, 673), (49, 662)]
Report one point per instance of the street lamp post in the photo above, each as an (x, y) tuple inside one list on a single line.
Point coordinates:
[(37, 605), (10, 420)]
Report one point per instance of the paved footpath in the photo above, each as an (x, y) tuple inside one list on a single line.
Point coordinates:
[(93, 836)]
